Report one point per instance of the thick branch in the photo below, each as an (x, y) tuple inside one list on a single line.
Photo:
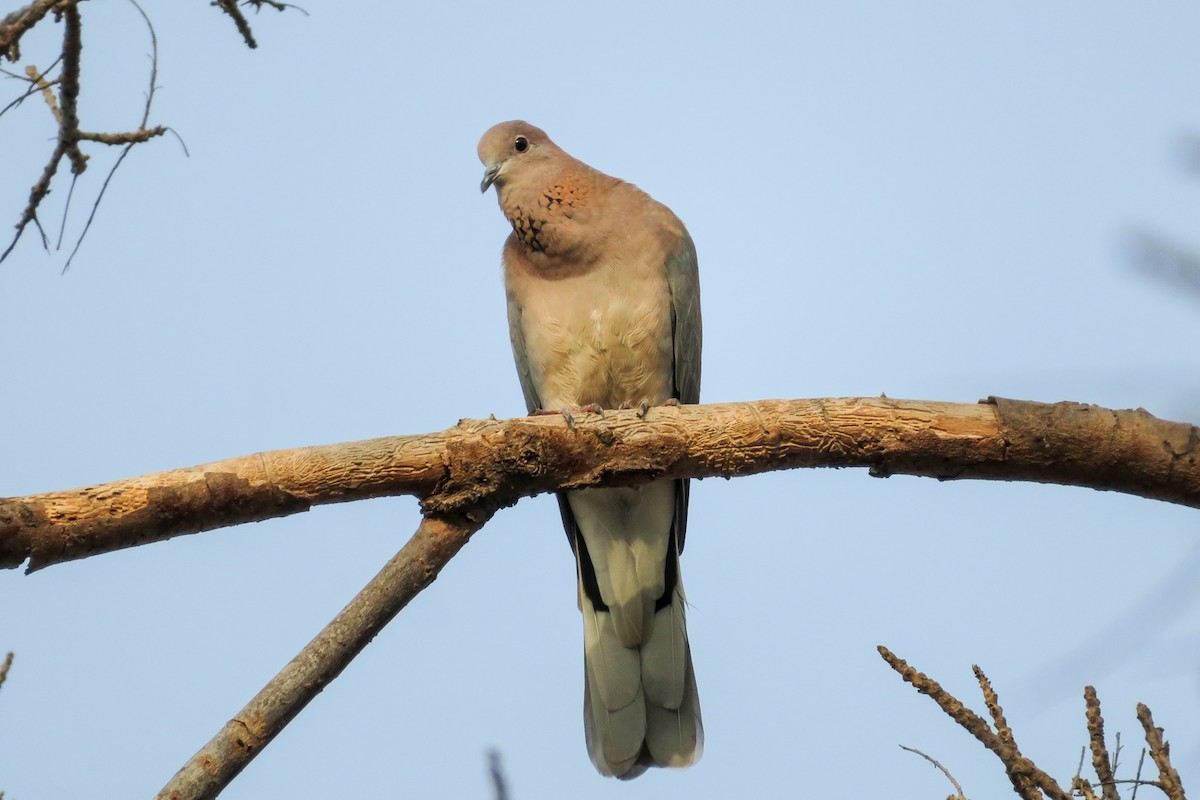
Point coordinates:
[(14, 25), (496, 462), (411, 570)]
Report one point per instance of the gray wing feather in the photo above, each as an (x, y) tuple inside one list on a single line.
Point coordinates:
[(683, 279), (517, 334)]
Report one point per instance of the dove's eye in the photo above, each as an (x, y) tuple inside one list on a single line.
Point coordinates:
[(522, 144)]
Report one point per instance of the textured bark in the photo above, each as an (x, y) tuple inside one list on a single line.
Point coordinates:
[(1030, 781), (491, 463), (323, 659)]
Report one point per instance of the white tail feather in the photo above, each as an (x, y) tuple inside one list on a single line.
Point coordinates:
[(641, 708)]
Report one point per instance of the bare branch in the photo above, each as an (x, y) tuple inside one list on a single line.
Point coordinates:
[(1100, 760), (275, 4), (501, 461), (40, 84), (496, 772), (142, 134), (64, 109), (14, 26), (68, 90), (36, 84), (64, 105), (1160, 751), (975, 724), (323, 659), (958, 792), (5, 666), (1021, 771), (230, 7), (1083, 788), (1028, 780), (1137, 778), (1026, 777)]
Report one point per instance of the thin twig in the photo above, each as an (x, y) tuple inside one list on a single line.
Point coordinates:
[(62, 223), (1079, 784), (34, 88), (4, 667), (153, 64), (496, 771), (1137, 777), (39, 191), (65, 112), (64, 106), (958, 792), (323, 659), (230, 7), (129, 139), (258, 4), (39, 83)]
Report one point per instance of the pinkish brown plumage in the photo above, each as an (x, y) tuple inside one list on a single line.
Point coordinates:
[(604, 308)]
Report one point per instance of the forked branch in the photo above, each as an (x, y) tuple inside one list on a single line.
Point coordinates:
[(62, 98), (1029, 781)]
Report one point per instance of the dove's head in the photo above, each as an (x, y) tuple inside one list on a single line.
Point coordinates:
[(510, 147)]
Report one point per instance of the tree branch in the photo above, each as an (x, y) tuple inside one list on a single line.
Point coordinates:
[(1029, 781), (494, 463), (1026, 778), (1160, 751), (958, 792), (323, 659), (15, 24), (1101, 762), (64, 106), (4, 667)]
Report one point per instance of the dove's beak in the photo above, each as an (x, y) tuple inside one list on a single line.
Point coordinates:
[(489, 177)]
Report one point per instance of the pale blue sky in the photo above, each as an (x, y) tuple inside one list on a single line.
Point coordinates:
[(925, 199)]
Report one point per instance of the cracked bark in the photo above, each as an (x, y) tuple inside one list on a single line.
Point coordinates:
[(493, 463)]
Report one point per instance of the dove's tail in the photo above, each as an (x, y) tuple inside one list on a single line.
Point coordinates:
[(640, 704)]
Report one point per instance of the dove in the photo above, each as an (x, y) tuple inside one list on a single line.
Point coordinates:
[(604, 312)]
